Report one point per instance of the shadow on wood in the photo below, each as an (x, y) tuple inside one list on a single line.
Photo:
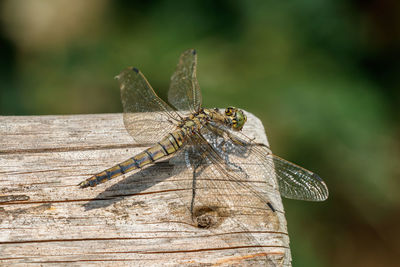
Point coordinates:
[(132, 185)]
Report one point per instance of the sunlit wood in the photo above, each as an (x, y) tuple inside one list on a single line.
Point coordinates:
[(46, 218)]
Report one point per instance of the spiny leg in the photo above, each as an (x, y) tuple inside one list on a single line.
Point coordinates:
[(227, 139)]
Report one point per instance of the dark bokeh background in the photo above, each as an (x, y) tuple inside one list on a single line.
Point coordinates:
[(323, 75)]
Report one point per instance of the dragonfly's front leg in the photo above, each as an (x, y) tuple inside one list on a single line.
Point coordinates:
[(227, 148)]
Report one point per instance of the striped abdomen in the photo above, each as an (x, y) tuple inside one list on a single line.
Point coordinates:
[(167, 146)]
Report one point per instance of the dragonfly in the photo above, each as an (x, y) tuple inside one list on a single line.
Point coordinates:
[(206, 137)]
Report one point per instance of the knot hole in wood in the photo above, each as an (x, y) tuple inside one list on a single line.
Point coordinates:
[(207, 217)]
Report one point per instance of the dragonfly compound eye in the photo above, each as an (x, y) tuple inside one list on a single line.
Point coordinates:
[(229, 111), (239, 120)]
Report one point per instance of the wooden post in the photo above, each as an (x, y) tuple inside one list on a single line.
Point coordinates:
[(132, 220)]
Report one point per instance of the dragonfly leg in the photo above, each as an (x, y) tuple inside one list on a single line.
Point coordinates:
[(224, 147), (196, 167)]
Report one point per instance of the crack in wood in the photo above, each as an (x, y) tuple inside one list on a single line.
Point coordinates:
[(189, 250), (91, 199), (138, 238), (68, 149)]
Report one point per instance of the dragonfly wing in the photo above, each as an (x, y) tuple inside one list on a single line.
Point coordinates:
[(214, 197), (184, 91), (147, 117), (298, 183), (230, 161), (294, 181)]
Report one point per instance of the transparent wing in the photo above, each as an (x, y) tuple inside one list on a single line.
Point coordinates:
[(146, 117), (220, 197), (184, 91), (238, 170), (294, 181)]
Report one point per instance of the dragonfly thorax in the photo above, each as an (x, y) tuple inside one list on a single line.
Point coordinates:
[(232, 117)]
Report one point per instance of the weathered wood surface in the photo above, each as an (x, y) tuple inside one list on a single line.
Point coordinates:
[(132, 220)]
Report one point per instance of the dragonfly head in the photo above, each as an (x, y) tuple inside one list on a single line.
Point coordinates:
[(236, 118)]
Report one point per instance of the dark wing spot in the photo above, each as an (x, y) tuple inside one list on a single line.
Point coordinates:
[(194, 52), (135, 70)]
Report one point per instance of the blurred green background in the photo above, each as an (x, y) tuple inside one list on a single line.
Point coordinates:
[(323, 75)]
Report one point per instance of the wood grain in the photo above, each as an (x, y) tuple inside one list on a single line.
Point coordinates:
[(140, 219)]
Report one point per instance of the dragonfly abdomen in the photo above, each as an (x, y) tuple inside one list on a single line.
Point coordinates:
[(167, 146)]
